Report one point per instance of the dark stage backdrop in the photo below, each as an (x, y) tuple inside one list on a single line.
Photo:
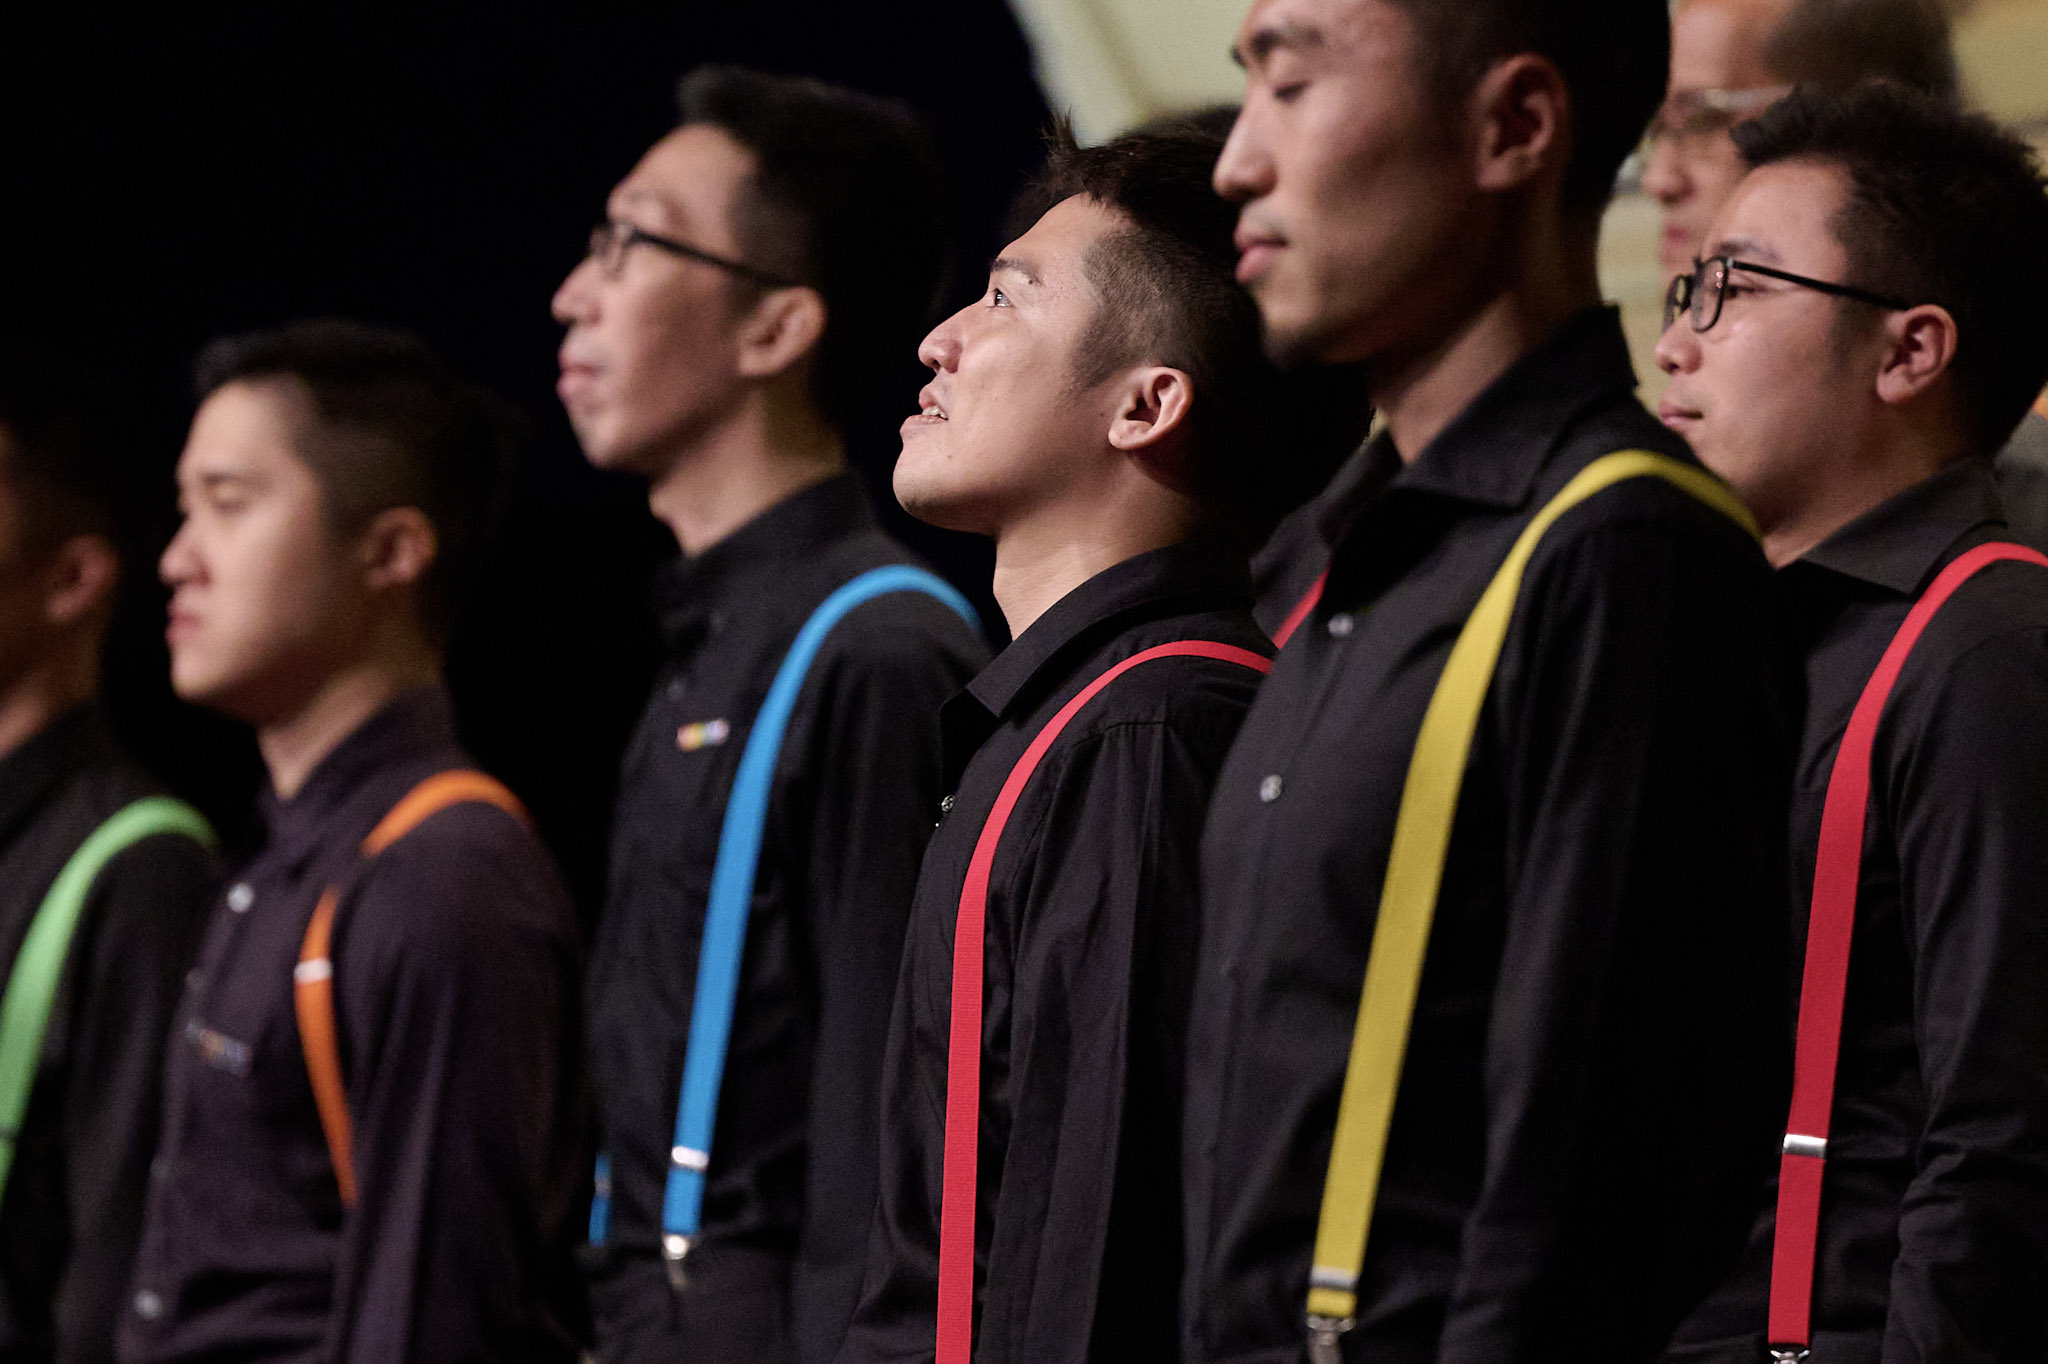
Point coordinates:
[(171, 172)]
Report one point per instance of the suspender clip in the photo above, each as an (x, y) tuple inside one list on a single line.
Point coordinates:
[(1814, 1148), (1789, 1354), (673, 1250), (1323, 1335)]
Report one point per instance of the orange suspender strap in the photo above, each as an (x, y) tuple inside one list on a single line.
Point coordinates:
[(313, 977)]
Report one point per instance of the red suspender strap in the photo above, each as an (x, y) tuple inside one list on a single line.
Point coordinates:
[(963, 1052), (313, 977), (1301, 609), (1824, 984)]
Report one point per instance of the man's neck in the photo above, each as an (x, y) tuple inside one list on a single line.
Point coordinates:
[(1423, 389), (732, 473), (39, 697), (1870, 474), (1041, 559), (293, 747)]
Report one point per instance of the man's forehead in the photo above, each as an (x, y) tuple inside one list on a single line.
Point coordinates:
[(691, 173), (1781, 213), (1052, 251), (1304, 26), (1719, 44)]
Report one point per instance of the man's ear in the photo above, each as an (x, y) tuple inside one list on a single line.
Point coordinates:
[(398, 547), (81, 578), (1919, 347), (1522, 111), (1151, 404), (780, 330)]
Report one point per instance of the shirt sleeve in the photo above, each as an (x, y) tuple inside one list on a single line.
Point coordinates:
[(1631, 1070), (1971, 789), (456, 990), (147, 910), (864, 811)]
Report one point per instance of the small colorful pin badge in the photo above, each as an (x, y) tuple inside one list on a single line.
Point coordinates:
[(702, 734)]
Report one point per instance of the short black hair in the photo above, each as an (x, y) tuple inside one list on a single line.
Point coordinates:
[(67, 451), (1840, 43), (393, 428), (1614, 55), (1942, 207), (844, 198), (1168, 295)]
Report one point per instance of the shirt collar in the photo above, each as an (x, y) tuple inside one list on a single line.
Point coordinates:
[(412, 725), (1494, 451), (76, 739), (692, 593), (1195, 574), (1902, 542)]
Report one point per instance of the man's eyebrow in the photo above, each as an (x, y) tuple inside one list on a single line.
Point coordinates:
[(1747, 247), (1010, 265), (1269, 38)]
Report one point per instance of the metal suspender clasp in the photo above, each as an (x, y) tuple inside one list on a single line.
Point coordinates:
[(674, 1249), (1789, 1354), (1323, 1335)]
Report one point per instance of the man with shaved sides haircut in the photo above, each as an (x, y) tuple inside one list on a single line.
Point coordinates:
[(373, 1126), (104, 882), (1864, 331), (1491, 964), (760, 273), (1102, 413)]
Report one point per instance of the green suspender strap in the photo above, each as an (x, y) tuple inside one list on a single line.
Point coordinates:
[(1415, 867), (32, 985)]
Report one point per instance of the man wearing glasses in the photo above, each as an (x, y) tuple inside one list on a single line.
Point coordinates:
[(1865, 330), (1730, 59), (760, 272)]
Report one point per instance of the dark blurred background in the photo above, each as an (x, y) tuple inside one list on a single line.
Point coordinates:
[(171, 173)]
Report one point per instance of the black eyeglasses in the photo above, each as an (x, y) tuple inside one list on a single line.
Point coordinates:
[(1700, 294), (611, 239)]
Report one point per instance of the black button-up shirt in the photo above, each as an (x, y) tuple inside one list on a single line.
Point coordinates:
[(1584, 1113), (1297, 552), (456, 991), (1089, 955), (776, 1268), (73, 1206), (1934, 1219)]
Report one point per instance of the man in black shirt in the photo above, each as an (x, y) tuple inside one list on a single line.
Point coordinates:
[(1864, 334), (1562, 1090), (81, 1038), (760, 270), (1095, 415), (373, 1120)]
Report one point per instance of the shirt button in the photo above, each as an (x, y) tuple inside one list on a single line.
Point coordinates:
[(945, 805), (1269, 789), (1341, 625), (240, 897), (148, 1305)]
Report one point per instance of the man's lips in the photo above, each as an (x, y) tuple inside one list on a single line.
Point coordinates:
[(179, 624), (930, 412), (1254, 254), (576, 376), (1675, 414)]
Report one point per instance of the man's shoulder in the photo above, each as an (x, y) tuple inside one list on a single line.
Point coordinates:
[(1187, 685)]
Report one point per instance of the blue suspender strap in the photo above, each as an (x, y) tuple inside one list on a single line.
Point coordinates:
[(732, 892)]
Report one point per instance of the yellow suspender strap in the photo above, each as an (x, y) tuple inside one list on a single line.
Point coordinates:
[(1415, 867)]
